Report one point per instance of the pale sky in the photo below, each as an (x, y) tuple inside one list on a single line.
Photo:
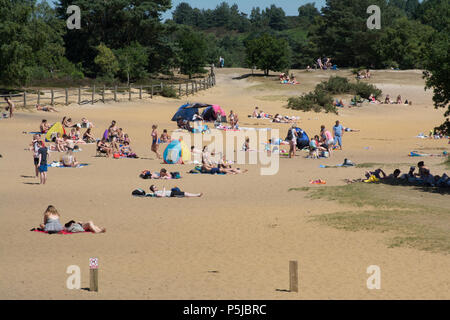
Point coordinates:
[(289, 6)]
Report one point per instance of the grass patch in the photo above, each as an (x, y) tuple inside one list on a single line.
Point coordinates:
[(447, 163), (418, 220), (414, 231)]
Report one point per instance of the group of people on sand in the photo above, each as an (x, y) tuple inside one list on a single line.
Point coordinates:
[(277, 118), (115, 142), (323, 64), (286, 79), (388, 100), (422, 177), (52, 224), (363, 75), (214, 167)]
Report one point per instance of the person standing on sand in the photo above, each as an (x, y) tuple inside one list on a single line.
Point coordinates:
[(155, 143), (292, 137), (338, 131), (11, 106), (42, 162)]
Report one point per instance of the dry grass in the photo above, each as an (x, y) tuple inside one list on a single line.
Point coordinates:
[(416, 219)]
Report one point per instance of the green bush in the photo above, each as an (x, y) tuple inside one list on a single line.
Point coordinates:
[(316, 101), (364, 89), (169, 92), (335, 85)]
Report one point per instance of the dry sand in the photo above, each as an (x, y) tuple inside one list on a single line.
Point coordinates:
[(236, 241)]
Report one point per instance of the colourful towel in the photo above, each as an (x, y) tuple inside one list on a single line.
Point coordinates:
[(61, 232)]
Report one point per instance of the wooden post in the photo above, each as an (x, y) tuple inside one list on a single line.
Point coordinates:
[(79, 95), (52, 97), (193, 90), (93, 266), (179, 90), (129, 92), (94, 280), (161, 86), (39, 97), (93, 94), (24, 98), (115, 92), (140, 92), (67, 96), (293, 276), (152, 92), (187, 88), (103, 93)]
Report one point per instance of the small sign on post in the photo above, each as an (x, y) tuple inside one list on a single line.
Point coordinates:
[(93, 266)]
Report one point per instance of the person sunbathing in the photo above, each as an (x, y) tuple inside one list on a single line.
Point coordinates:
[(88, 137), (255, 113), (79, 226), (127, 151), (68, 160), (45, 108), (51, 221), (112, 130), (85, 123), (175, 192), (163, 174), (387, 100), (44, 126), (60, 144), (120, 135), (104, 147), (399, 99), (114, 144), (351, 130), (165, 138)]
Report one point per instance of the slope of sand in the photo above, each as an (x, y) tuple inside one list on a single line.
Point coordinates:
[(236, 241)]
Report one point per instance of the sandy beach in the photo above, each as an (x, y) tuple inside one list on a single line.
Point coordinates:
[(237, 240)]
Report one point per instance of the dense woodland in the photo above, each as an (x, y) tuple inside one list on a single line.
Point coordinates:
[(127, 41)]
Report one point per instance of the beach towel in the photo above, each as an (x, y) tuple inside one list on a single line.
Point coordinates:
[(61, 232), (60, 165), (320, 181)]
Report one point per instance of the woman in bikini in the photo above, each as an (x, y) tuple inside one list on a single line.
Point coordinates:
[(155, 143), (165, 138)]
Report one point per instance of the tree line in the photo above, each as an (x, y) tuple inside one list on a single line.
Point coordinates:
[(127, 41)]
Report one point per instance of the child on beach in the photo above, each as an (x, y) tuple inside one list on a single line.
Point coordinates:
[(42, 162)]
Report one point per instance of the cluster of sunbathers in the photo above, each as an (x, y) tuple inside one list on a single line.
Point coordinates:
[(115, 142), (422, 177), (286, 79)]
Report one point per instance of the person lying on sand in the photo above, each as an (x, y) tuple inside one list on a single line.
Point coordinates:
[(163, 174), (79, 226), (214, 170), (45, 108), (350, 130), (379, 174), (175, 192), (43, 128)]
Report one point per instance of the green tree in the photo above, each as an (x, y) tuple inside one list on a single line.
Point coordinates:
[(307, 13), (268, 53), (106, 61), (437, 74), (133, 61), (193, 52)]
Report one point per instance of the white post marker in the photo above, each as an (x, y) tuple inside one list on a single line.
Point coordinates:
[(93, 265)]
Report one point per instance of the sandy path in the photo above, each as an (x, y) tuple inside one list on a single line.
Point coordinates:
[(236, 242)]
